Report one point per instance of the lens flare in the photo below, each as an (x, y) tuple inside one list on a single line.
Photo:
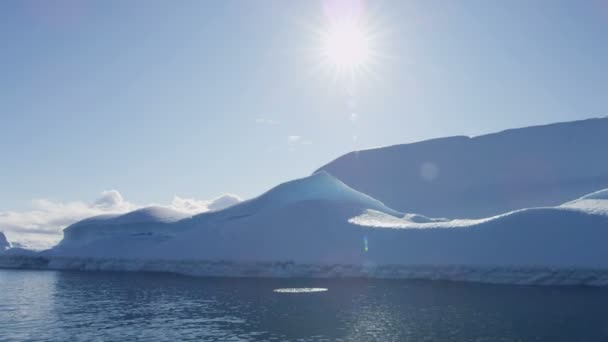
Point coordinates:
[(347, 40), (346, 45)]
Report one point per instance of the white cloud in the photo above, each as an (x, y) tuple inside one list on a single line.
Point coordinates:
[(41, 226), (110, 199), (296, 140), (188, 205)]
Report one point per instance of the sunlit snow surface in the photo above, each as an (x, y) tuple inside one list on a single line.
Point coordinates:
[(594, 203), (301, 290), (373, 218)]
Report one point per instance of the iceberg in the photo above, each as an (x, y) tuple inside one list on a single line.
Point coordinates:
[(319, 227), (446, 224)]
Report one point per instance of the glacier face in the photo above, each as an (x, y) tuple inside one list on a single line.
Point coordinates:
[(544, 276)]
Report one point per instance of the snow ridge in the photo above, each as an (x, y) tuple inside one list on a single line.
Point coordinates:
[(320, 186), (594, 203)]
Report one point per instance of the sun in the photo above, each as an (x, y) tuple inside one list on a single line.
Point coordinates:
[(346, 46)]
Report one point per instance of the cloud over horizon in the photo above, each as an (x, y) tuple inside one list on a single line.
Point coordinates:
[(296, 140), (41, 226)]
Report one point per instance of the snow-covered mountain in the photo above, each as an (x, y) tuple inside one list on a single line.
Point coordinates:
[(485, 175)]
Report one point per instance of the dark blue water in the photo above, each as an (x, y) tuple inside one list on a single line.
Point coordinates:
[(78, 306)]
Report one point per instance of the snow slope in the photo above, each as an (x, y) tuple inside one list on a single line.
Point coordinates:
[(485, 175), (539, 237)]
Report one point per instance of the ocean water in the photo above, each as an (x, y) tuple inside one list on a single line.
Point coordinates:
[(83, 306)]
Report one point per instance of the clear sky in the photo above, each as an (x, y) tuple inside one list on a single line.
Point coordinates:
[(199, 98)]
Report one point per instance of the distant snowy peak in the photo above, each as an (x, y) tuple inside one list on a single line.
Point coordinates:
[(4, 244), (320, 186), (596, 203)]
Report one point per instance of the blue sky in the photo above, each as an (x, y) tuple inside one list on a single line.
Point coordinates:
[(199, 98)]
